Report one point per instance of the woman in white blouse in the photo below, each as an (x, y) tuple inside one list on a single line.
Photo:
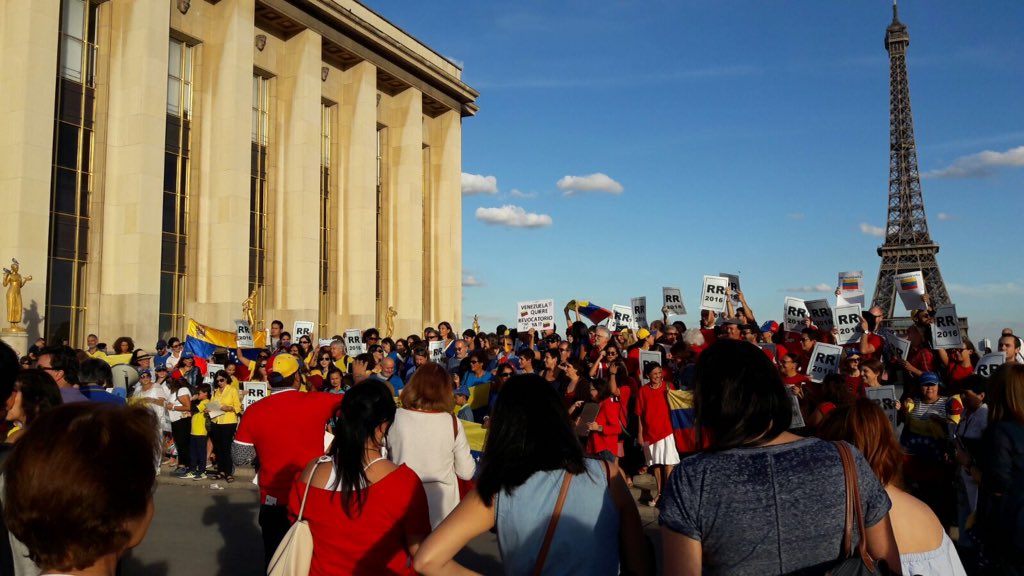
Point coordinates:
[(428, 438)]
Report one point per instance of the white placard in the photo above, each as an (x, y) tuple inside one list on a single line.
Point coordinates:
[(989, 363), (622, 317), (243, 334), (436, 348), (899, 345), (539, 314), (946, 328), (712, 295), (851, 288), (253, 392), (821, 314), (734, 285), (639, 305), (797, 420), (648, 357), (910, 287), (672, 298), (824, 361), (353, 342), (847, 323), (211, 372), (302, 328), (885, 397), (794, 311), (325, 342)]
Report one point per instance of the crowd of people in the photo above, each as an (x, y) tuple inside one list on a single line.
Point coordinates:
[(372, 450)]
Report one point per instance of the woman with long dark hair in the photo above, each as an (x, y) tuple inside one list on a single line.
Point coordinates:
[(780, 502), (367, 515), (179, 412), (531, 453), (34, 392), (222, 433)]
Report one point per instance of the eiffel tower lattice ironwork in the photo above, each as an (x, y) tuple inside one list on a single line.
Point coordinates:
[(908, 246)]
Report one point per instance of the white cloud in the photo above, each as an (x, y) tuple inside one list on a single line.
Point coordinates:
[(513, 217), (816, 288), (999, 289), (596, 182), (479, 184), (980, 164), (870, 230), (517, 193), (944, 216), (469, 281), (796, 216)]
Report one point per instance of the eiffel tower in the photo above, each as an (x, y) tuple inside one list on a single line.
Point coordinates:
[(908, 246)]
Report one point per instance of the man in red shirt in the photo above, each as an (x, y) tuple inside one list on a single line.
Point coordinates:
[(870, 342), (285, 432)]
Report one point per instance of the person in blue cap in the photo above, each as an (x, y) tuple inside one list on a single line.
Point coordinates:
[(462, 401), (929, 471)]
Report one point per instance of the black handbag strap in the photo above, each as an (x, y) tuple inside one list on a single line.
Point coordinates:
[(854, 512)]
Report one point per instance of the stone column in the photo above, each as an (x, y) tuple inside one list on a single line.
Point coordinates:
[(405, 237), (446, 171), (129, 265), (223, 160), (29, 39), (355, 193), (297, 192)]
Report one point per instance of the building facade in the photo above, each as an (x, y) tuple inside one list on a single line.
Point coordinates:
[(163, 159)]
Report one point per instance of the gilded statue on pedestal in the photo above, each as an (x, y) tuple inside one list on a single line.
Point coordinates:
[(389, 321), (249, 310), (14, 282), (476, 323)]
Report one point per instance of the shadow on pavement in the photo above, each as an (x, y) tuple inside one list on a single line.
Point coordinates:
[(241, 552), (130, 566)]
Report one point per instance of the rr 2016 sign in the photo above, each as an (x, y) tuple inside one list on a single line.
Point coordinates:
[(436, 351), (672, 298), (885, 397), (302, 328), (794, 313), (243, 334), (847, 323), (353, 342), (253, 392), (622, 317), (639, 305), (824, 361), (713, 294), (946, 328), (821, 314), (989, 363), (734, 285)]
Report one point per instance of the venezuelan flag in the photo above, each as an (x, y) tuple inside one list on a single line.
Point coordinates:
[(908, 284), (681, 413), (202, 340), (589, 310), (116, 359), (476, 434), (851, 284)]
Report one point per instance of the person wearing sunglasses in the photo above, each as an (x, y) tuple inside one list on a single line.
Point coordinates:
[(154, 397), (478, 377), (225, 421), (321, 369)]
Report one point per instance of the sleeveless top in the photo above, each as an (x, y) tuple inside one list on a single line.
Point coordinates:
[(586, 540)]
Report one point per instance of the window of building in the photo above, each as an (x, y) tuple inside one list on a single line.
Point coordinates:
[(258, 189), (326, 121), (177, 163), (71, 184)]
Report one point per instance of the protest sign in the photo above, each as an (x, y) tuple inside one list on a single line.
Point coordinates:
[(639, 310), (734, 286), (798, 417), (984, 344), (847, 323), (946, 328), (648, 357), (211, 372), (253, 392), (824, 361), (900, 346), (325, 342), (851, 288), (712, 295), (622, 317), (436, 351), (672, 298), (539, 314), (885, 397), (302, 328), (353, 342), (243, 334), (794, 312), (989, 363), (821, 314), (910, 287)]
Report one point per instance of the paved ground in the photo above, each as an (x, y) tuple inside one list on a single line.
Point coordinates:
[(202, 531)]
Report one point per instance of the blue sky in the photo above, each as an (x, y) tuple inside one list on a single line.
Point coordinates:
[(734, 136)]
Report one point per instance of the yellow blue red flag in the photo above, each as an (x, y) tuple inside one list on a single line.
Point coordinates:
[(202, 340)]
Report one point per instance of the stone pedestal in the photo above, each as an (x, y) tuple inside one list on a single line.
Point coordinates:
[(16, 340)]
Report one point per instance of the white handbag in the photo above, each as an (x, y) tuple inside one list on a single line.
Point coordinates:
[(295, 553)]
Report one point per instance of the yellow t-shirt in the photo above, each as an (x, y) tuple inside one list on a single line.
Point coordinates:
[(228, 396), (199, 420), (343, 363)]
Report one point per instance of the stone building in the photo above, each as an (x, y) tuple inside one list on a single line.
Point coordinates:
[(161, 159)]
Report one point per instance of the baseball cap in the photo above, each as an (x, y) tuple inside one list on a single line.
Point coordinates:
[(161, 344), (462, 391), (770, 326), (284, 364), (928, 379), (161, 366), (642, 333), (187, 354)]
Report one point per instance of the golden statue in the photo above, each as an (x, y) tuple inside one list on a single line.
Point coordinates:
[(14, 283), (249, 310), (389, 321), (476, 323)]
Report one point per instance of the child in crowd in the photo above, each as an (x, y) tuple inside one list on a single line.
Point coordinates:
[(197, 469), (464, 412)]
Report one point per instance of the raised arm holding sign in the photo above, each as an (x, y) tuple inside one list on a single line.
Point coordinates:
[(672, 299), (946, 328), (910, 287)]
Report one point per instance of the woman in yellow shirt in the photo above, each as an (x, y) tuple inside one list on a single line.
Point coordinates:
[(223, 410)]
